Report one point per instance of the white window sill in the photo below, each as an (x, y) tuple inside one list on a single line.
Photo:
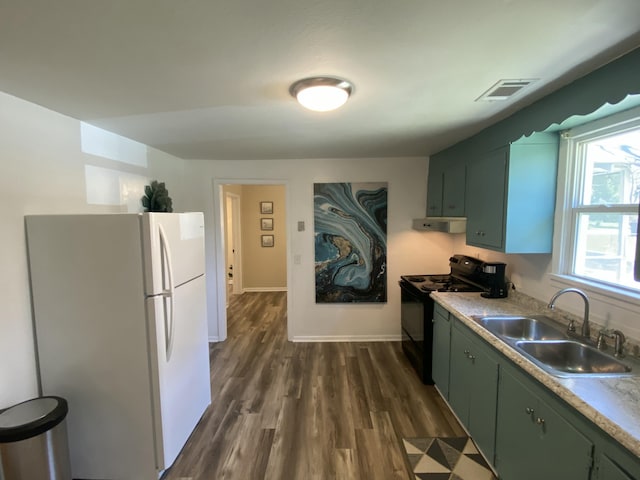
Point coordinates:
[(619, 297)]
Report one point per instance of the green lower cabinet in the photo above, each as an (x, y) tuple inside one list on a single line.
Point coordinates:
[(613, 462), (535, 442), (473, 386), (609, 470), (525, 430), (441, 350)]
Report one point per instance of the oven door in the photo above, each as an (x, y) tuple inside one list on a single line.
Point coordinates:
[(412, 316), (416, 330)]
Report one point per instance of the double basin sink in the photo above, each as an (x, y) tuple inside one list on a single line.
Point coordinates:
[(546, 344)]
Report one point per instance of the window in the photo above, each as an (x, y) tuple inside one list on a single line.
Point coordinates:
[(601, 215)]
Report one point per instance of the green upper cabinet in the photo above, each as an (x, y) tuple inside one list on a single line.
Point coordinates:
[(446, 187), (510, 198), (434, 188)]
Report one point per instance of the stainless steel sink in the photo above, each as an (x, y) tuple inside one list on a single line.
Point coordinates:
[(547, 344), (521, 328), (571, 357)]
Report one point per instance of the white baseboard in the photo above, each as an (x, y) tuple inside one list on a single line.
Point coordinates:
[(214, 339), (346, 338), (265, 289)]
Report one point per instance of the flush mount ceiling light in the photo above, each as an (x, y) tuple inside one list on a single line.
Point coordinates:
[(321, 94)]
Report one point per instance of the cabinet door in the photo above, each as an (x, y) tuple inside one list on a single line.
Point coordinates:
[(473, 387), (608, 470), (533, 441), (441, 351), (453, 190), (434, 190), (486, 193), (483, 399), (568, 454), (459, 380)]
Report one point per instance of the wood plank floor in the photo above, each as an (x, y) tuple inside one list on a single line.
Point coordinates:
[(306, 411)]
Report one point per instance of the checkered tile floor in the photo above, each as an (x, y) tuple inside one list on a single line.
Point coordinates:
[(446, 458)]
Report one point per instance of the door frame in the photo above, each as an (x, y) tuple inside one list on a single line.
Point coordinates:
[(219, 205), (236, 229)]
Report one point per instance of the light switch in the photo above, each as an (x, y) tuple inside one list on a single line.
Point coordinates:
[(301, 226)]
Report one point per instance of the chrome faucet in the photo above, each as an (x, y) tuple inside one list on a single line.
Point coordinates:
[(586, 330)]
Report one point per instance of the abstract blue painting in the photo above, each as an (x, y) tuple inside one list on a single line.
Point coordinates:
[(350, 222)]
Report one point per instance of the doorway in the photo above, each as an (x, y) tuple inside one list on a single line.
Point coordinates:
[(253, 241)]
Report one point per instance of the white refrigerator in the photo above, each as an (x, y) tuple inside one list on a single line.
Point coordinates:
[(119, 308)]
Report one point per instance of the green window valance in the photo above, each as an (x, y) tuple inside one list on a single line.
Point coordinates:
[(613, 87)]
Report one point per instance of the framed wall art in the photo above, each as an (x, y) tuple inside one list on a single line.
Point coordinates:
[(267, 240), (266, 224), (350, 231), (266, 208)]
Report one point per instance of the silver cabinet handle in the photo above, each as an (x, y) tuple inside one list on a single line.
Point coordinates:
[(529, 411), (540, 421)]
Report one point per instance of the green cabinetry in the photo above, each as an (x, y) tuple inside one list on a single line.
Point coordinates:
[(510, 198), (441, 349), (521, 426), (533, 440), (608, 470), (435, 185), (446, 188), (473, 386)]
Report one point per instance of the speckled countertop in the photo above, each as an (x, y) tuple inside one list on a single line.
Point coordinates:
[(609, 402)]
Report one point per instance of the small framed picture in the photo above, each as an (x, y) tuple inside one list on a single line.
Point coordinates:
[(266, 224), (267, 240), (266, 208)]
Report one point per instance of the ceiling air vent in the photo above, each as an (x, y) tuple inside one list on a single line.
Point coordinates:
[(504, 89)]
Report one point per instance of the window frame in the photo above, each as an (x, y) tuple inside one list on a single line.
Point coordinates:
[(565, 238)]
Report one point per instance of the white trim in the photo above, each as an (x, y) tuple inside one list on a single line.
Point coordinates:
[(605, 125), (264, 289), (236, 227), (619, 297), (213, 339), (346, 338), (565, 223)]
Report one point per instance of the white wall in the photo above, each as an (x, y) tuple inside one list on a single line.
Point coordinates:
[(408, 251), (43, 171)]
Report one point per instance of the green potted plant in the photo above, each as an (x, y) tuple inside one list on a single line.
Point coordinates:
[(156, 198)]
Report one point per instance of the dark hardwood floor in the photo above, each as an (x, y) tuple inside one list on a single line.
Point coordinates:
[(302, 411)]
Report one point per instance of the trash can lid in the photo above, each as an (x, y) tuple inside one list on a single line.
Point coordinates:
[(31, 418)]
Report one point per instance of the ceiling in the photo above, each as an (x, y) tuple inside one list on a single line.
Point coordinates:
[(209, 79)]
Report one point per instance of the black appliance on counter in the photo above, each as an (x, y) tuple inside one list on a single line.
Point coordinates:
[(467, 274)]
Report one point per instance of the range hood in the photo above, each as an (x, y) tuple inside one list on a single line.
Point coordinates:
[(441, 224)]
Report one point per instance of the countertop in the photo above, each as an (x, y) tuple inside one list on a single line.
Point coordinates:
[(609, 402)]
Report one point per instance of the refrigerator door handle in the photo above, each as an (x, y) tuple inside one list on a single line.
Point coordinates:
[(167, 293)]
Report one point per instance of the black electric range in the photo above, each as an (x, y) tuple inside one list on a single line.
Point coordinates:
[(467, 274)]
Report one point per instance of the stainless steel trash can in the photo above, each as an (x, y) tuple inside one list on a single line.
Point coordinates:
[(33, 440)]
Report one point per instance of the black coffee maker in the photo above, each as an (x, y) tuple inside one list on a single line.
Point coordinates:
[(492, 274)]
